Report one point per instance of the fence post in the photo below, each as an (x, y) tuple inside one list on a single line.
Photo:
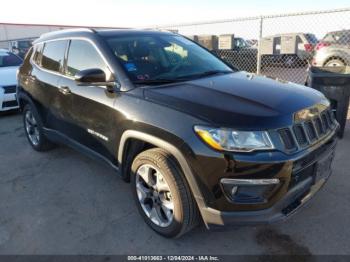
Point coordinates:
[(258, 66)]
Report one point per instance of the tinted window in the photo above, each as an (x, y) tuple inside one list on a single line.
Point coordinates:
[(82, 55), (311, 38), (341, 37), (163, 57), (8, 59), (53, 55), (38, 53), (240, 43)]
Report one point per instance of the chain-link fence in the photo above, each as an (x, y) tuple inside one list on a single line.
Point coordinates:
[(279, 46)]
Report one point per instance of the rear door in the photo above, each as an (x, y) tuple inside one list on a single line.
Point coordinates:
[(47, 75), (92, 111)]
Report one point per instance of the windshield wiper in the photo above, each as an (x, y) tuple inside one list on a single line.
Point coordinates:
[(156, 81), (207, 73)]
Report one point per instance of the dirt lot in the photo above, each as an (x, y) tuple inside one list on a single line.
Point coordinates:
[(61, 202)]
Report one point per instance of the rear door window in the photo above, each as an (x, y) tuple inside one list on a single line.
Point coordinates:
[(53, 55), (38, 52)]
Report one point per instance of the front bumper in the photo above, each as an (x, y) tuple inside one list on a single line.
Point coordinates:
[(294, 198), (288, 205), (7, 101)]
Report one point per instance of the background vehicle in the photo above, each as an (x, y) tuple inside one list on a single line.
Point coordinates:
[(290, 49), (20, 47), (333, 49), (194, 136), (9, 63)]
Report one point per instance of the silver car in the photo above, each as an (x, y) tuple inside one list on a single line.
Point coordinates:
[(333, 49)]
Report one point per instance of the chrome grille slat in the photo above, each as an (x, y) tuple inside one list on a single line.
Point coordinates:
[(300, 135), (319, 126), (287, 138), (311, 131), (303, 134)]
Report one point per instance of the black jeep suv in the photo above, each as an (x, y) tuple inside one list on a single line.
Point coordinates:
[(196, 138)]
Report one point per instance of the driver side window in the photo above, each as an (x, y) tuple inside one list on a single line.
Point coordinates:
[(82, 55)]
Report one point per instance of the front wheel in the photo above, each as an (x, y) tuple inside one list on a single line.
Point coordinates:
[(162, 194)]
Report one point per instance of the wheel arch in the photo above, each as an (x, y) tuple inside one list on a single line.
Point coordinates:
[(150, 141), (339, 56), (23, 99)]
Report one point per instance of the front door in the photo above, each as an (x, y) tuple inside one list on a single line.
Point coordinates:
[(92, 110)]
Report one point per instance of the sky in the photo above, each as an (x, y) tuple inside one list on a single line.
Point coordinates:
[(137, 13)]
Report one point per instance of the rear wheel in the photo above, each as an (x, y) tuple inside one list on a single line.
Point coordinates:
[(33, 129), (162, 195)]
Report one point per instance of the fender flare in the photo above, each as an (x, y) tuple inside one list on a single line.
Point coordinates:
[(172, 150), (23, 96)]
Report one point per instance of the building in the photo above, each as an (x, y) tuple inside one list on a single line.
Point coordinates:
[(12, 33)]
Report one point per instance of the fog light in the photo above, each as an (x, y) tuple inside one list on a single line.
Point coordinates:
[(234, 190), (248, 191)]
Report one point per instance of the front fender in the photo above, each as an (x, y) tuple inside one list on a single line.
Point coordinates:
[(172, 150)]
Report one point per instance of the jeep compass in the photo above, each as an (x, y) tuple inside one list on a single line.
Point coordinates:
[(197, 139)]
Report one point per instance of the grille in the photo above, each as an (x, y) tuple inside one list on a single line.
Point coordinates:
[(287, 138), (9, 89), (9, 104), (319, 126), (300, 135), (308, 132)]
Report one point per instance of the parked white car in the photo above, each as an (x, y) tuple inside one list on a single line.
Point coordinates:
[(9, 64)]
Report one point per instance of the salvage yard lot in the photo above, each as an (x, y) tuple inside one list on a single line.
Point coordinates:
[(61, 202)]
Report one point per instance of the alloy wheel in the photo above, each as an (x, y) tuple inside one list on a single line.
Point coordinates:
[(154, 195), (32, 128)]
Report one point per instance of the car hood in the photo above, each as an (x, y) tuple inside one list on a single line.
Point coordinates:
[(8, 76), (239, 100)]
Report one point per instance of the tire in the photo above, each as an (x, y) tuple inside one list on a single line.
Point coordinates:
[(33, 129), (165, 168), (335, 62)]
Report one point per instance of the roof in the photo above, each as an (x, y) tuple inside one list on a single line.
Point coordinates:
[(89, 31)]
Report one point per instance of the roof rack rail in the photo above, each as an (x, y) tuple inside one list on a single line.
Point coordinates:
[(92, 30), (68, 30)]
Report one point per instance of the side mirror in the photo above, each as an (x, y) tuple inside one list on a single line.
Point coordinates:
[(95, 77), (90, 76)]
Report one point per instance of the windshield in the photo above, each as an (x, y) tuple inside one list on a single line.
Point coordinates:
[(156, 58), (8, 59), (338, 37)]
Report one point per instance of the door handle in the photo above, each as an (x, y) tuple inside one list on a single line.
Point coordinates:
[(64, 90)]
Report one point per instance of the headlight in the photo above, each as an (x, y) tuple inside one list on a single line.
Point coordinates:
[(224, 139)]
